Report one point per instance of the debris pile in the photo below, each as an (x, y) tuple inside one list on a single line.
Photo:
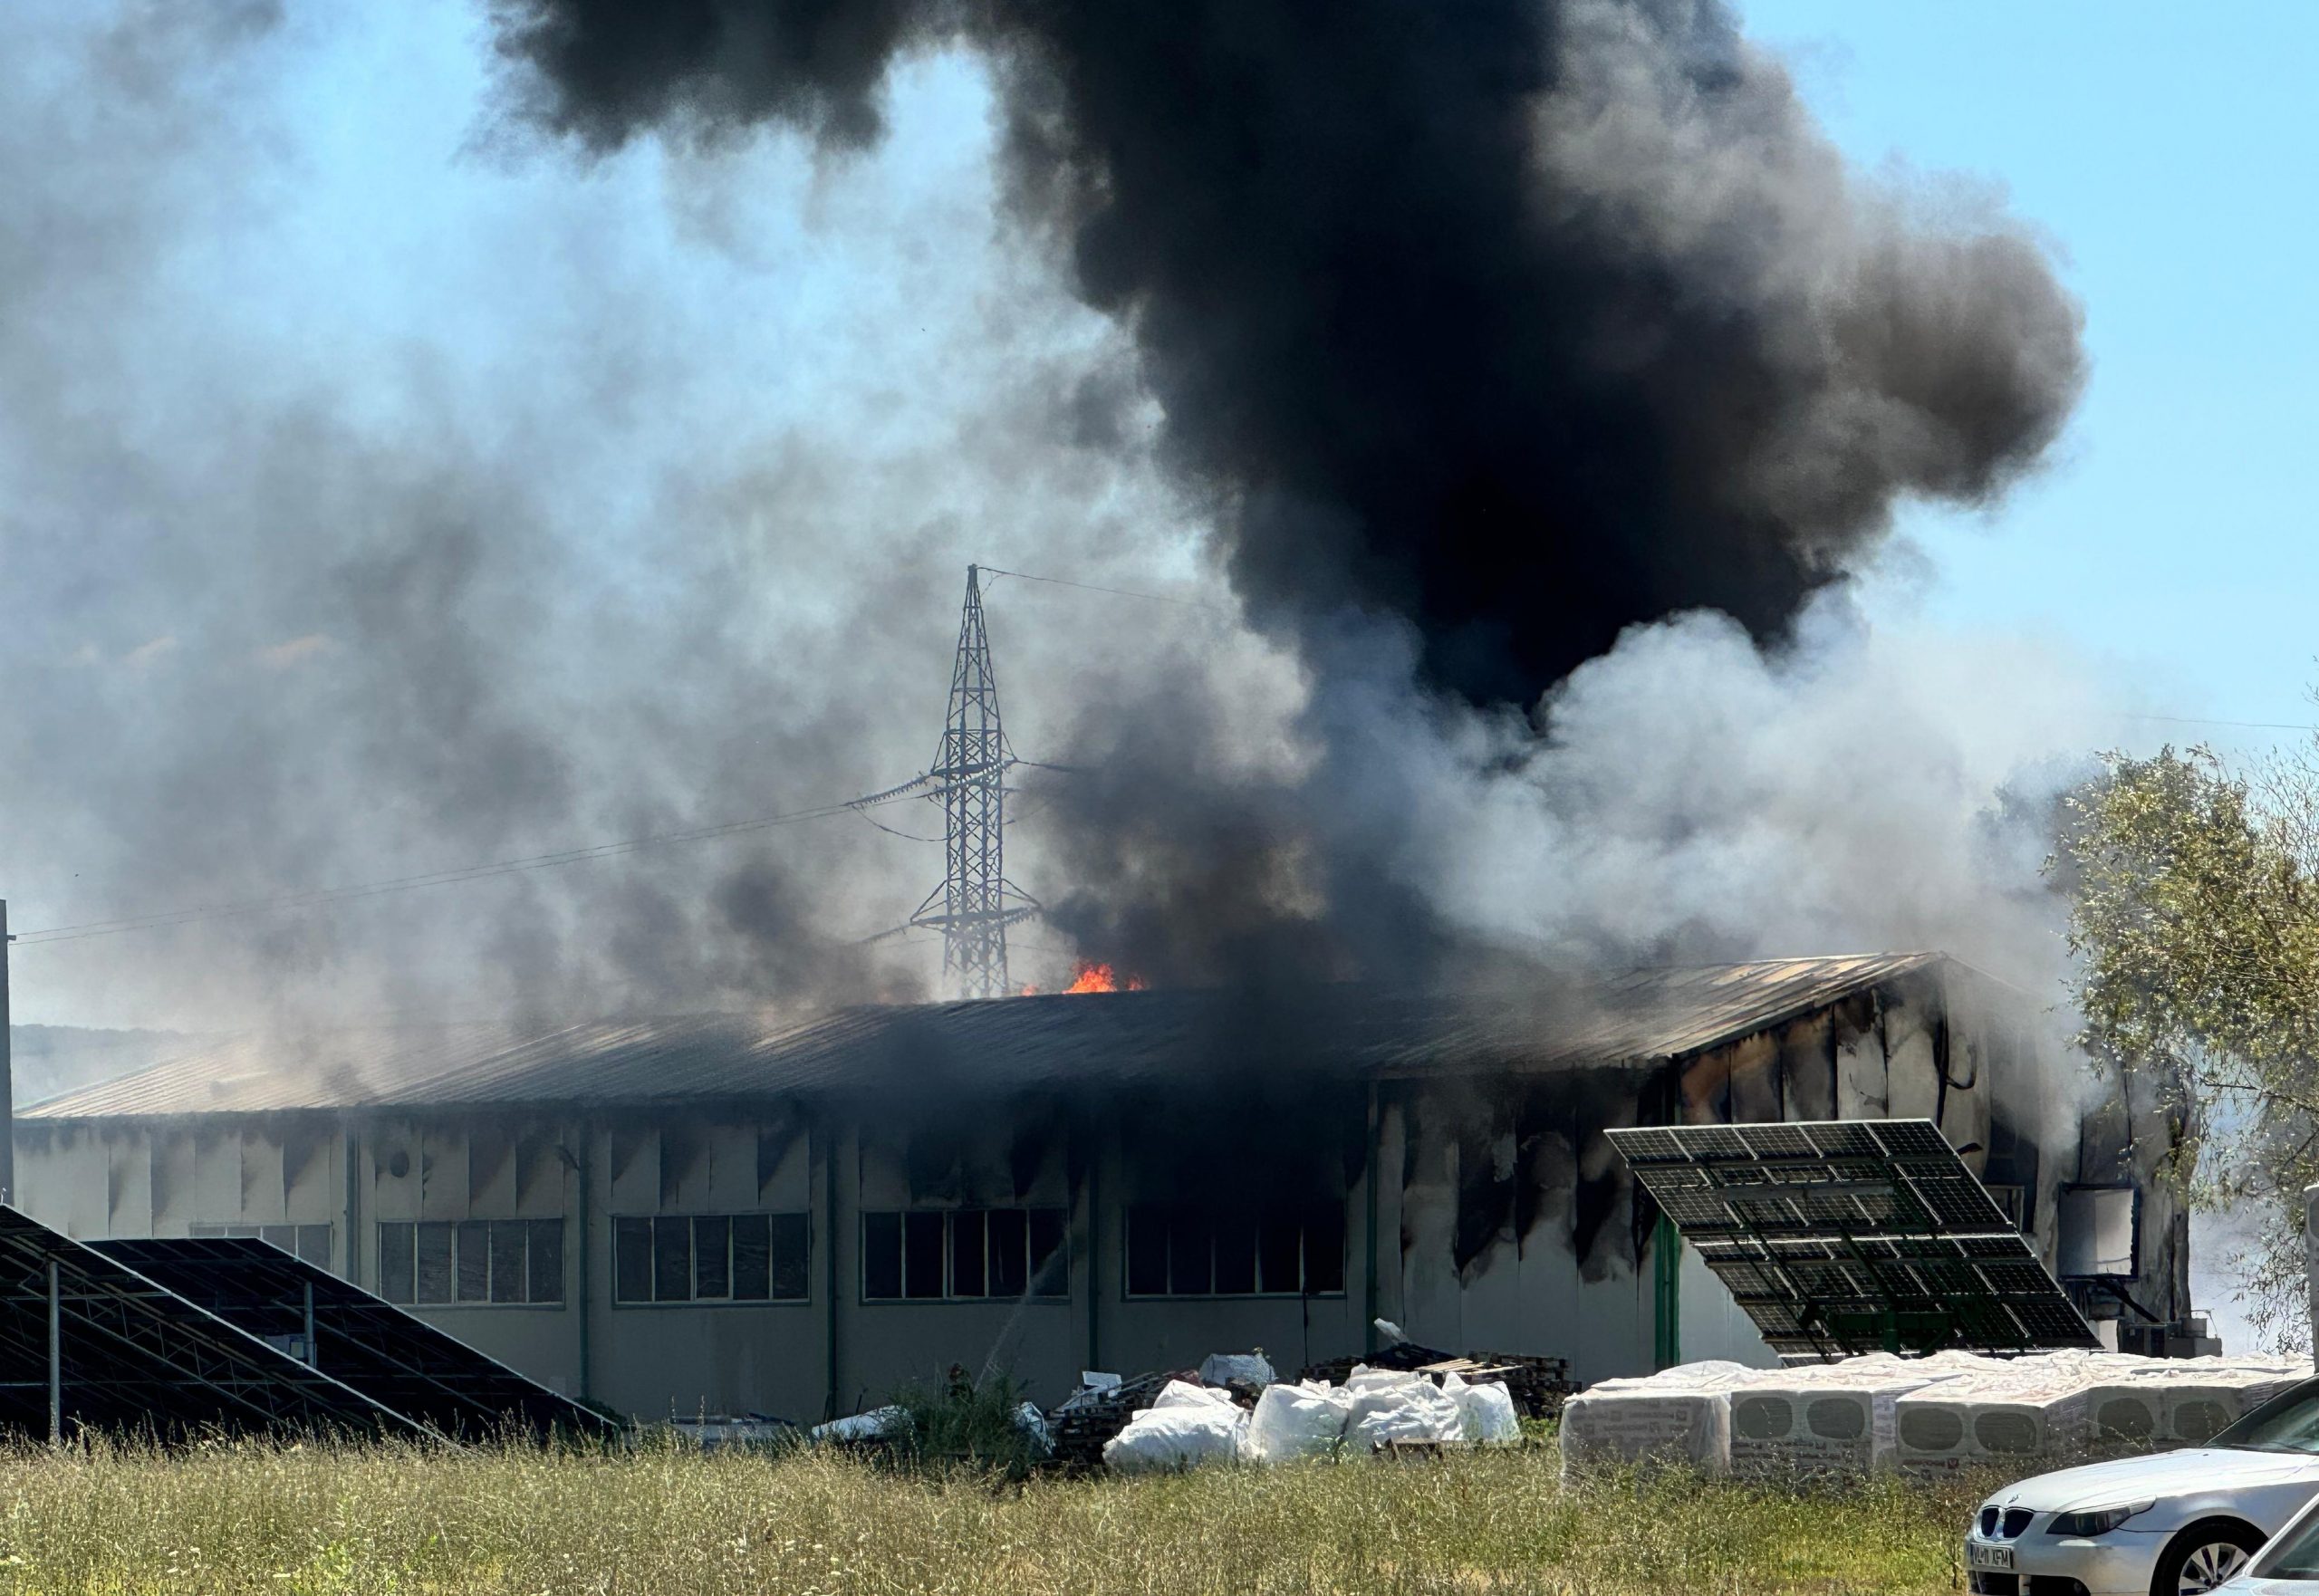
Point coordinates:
[(1234, 1409), (1539, 1385), (1923, 1416)]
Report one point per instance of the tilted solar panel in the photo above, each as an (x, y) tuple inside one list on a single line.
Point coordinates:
[(1848, 1236), (394, 1357), (129, 1356)]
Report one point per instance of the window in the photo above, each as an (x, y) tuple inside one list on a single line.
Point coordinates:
[(711, 1258), (308, 1243), (965, 1255), (473, 1261), (1187, 1251)]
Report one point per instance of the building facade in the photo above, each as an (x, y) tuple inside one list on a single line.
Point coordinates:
[(713, 1215)]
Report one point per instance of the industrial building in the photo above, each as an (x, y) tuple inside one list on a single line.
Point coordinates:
[(715, 1214)]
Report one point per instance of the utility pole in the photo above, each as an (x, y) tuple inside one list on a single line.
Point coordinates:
[(976, 900), (7, 1074)]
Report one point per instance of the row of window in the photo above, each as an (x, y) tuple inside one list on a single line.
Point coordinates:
[(1194, 1252), (435, 1261), (712, 1258), (964, 1254)]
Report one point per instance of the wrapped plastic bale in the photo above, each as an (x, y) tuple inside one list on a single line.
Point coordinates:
[(1293, 1421), (1186, 1424), (2026, 1416), (2160, 1402), (2214, 1392), (1823, 1418), (1679, 1415), (1389, 1408)]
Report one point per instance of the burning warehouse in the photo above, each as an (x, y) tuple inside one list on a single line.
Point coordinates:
[(702, 1214)]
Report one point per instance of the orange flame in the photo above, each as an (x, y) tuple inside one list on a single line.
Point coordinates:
[(1100, 977)]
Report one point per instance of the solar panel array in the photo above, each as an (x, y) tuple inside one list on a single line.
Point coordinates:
[(397, 1360), (134, 1357), (1854, 1235)]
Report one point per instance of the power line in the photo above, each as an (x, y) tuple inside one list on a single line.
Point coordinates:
[(499, 867), (1116, 593), (2252, 725)]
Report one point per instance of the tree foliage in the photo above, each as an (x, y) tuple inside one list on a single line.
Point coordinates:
[(2195, 920)]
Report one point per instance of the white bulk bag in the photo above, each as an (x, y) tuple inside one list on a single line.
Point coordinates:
[(1293, 1422), (1387, 1407), (1182, 1393), (1178, 1437), (1488, 1412)]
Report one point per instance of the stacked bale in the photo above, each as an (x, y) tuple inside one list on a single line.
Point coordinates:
[(1924, 1416)]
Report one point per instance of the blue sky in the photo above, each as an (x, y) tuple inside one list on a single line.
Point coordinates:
[(2169, 155)]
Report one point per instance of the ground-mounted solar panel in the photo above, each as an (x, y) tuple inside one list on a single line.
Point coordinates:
[(1849, 1236), (88, 1343), (396, 1358)]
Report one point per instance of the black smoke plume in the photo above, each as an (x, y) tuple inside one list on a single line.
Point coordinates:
[(1522, 320)]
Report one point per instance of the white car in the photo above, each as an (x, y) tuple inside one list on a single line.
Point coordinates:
[(2169, 1524), (2288, 1566)]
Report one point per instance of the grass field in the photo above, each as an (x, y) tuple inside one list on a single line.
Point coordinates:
[(669, 1522)]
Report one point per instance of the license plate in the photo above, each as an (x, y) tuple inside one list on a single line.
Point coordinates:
[(1980, 1554)]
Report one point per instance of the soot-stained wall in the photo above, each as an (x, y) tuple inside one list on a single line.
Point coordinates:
[(1480, 1211)]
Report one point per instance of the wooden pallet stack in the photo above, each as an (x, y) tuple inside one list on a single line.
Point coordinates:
[(1086, 1421)]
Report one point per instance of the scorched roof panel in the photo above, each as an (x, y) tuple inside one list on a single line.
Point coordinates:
[(994, 1046)]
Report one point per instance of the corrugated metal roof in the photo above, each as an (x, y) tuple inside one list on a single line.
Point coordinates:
[(1001, 1045)]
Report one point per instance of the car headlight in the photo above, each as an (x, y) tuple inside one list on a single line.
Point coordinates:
[(2098, 1520)]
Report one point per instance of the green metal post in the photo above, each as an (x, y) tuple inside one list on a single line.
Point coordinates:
[(1667, 1294)]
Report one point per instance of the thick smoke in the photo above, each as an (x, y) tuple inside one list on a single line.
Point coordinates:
[(1522, 320), (380, 497), (348, 540), (1480, 336)]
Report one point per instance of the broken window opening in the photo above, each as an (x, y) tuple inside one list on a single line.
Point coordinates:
[(965, 1255), (1190, 1252)]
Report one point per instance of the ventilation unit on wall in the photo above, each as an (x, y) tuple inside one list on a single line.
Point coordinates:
[(2100, 1232)]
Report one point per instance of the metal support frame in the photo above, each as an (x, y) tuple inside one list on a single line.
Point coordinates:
[(55, 1360)]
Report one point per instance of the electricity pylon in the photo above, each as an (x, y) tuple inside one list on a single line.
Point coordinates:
[(976, 902)]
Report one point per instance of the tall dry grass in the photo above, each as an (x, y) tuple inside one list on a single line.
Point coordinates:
[(669, 1521)]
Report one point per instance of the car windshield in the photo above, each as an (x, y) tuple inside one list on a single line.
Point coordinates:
[(2295, 1554), (2288, 1422)]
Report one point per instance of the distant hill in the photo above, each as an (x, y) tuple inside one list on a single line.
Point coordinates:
[(50, 1059)]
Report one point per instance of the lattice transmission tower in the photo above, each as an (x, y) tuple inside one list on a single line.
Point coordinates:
[(976, 902)]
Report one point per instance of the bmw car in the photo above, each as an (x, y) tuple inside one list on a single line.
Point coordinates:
[(2288, 1565), (2170, 1524)]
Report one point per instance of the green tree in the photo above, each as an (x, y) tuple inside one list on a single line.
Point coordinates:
[(2195, 920)]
